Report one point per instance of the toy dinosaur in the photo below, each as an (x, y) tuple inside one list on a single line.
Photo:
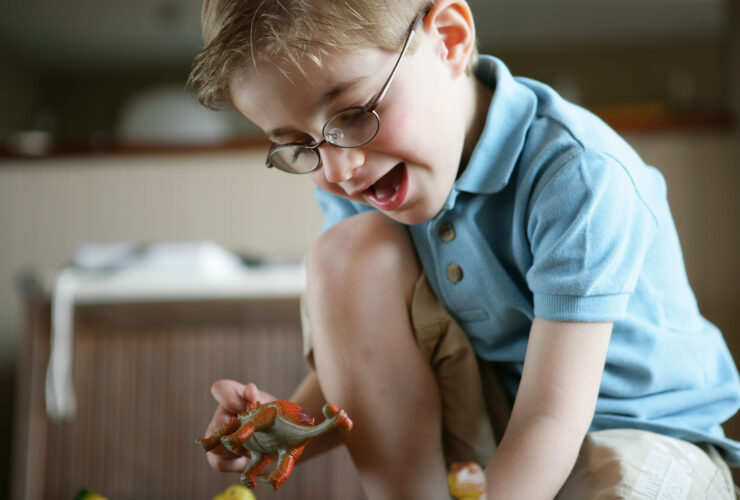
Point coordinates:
[(280, 428)]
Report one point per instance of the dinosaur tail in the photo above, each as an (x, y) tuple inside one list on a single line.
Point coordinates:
[(333, 411)]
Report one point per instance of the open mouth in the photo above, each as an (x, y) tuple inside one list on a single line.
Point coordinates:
[(389, 192)]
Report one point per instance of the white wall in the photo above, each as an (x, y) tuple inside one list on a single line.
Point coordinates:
[(47, 206)]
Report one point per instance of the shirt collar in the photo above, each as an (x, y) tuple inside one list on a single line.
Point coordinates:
[(495, 155)]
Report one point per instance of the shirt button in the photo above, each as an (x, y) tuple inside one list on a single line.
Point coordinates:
[(447, 232), (454, 273)]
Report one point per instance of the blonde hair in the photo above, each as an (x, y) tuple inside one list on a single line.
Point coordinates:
[(240, 34)]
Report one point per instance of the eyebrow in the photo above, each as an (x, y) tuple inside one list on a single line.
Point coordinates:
[(336, 91), (323, 102)]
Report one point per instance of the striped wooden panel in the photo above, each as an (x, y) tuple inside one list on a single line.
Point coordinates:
[(142, 379)]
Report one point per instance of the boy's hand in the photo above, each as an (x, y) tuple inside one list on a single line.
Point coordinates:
[(232, 398)]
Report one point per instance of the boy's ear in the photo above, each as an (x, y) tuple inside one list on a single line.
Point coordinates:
[(451, 24)]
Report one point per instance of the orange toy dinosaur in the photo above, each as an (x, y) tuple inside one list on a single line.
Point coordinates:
[(280, 428)]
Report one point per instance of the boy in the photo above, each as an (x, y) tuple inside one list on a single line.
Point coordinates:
[(459, 199)]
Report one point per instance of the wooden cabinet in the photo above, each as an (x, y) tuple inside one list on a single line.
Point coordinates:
[(142, 374)]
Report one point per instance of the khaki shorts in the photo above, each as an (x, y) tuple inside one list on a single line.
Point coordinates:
[(617, 463)]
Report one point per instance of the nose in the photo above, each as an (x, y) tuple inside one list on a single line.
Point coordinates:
[(339, 164)]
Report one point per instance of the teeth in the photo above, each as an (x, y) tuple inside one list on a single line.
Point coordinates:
[(388, 185)]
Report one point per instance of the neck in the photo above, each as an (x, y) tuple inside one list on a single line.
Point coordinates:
[(478, 102)]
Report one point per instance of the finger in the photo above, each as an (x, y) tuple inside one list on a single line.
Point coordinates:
[(220, 417), (222, 464), (250, 392), (230, 395), (225, 454)]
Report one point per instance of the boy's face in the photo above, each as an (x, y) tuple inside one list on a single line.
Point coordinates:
[(408, 169)]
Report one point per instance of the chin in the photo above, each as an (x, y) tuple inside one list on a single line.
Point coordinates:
[(411, 217)]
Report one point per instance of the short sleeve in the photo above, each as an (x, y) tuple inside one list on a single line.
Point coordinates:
[(336, 209), (589, 230)]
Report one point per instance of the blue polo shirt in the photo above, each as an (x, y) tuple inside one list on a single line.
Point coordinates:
[(556, 217)]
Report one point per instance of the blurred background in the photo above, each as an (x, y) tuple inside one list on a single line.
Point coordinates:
[(101, 143)]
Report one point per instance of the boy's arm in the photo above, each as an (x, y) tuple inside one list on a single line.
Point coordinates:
[(553, 409)]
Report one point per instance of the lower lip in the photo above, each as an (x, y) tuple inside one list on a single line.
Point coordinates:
[(395, 201)]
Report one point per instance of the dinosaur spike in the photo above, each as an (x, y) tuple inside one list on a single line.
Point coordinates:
[(295, 413), (343, 421), (250, 405)]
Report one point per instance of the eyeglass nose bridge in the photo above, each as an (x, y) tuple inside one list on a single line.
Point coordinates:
[(334, 136)]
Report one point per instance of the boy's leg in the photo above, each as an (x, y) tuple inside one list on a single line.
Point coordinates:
[(361, 277), (630, 463)]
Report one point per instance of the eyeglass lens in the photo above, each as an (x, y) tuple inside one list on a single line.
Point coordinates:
[(351, 128), (348, 129), (294, 159)]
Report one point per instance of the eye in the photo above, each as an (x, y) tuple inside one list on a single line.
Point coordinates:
[(353, 116), (300, 139), (299, 153)]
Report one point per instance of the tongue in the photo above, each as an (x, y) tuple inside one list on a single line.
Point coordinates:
[(389, 183)]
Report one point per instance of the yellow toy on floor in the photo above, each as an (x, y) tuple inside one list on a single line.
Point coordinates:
[(236, 492), (466, 481), (88, 494)]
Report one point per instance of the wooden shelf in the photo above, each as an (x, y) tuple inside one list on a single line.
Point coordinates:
[(79, 149), (656, 117)]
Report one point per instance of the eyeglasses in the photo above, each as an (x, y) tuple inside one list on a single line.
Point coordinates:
[(349, 128)]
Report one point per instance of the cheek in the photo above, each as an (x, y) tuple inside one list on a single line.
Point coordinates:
[(410, 124), (399, 132)]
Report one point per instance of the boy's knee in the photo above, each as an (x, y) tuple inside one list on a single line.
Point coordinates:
[(362, 249)]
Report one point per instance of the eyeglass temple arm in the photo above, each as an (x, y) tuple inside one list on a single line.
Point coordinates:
[(405, 48)]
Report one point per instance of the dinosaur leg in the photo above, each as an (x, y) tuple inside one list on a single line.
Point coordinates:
[(257, 463), (236, 439), (285, 464), (210, 442), (259, 419)]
